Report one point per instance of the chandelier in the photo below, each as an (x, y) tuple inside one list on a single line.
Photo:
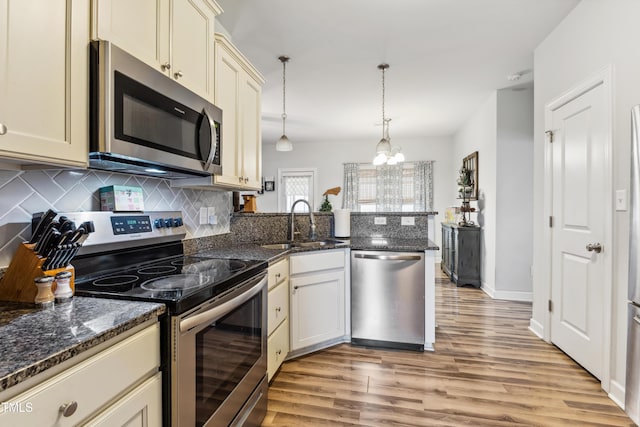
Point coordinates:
[(283, 144), (385, 152)]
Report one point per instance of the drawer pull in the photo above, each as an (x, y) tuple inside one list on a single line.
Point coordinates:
[(69, 408)]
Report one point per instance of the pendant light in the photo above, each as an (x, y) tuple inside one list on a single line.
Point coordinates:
[(283, 144), (385, 152)]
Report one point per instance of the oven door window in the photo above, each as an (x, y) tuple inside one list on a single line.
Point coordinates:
[(148, 118), (225, 352)]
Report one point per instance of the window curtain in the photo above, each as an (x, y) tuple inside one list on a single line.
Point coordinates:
[(404, 187), (350, 197), (423, 186), (389, 194)]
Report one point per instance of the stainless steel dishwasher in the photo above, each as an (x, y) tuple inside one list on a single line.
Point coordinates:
[(387, 299)]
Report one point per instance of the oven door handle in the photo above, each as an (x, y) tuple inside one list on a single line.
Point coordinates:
[(222, 309)]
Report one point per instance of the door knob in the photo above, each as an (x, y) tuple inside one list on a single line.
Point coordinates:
[(594, 247), (166, 66), (178, 74)]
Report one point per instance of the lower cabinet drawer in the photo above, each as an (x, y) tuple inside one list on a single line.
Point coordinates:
[(141, 407), (87, 387), (278, 303), (277, 348)]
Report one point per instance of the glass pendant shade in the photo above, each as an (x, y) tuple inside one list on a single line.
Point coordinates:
[(383, 147), (283, 144)]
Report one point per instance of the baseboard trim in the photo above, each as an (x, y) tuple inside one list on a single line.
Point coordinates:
[(537, 328), (616, 393)]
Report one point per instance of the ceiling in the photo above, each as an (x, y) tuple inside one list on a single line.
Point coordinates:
[(445, 58)]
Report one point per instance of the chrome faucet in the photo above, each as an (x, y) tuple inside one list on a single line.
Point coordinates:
[(312, 221)]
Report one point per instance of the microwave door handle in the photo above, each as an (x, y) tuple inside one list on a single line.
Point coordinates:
[(214, 138), (221, 310)]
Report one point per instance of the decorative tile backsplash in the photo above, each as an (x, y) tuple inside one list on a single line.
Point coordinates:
[(25, 192)]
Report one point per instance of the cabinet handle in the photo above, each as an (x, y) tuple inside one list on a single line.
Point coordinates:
[(68, 408), (277, 275), (279, 352), (166, 66), (178, 74), (240, 179), (278, 309), (3, 129), (295, 287)]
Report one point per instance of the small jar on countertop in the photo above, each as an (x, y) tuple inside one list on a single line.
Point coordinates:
[(63, 291), (44, 298)]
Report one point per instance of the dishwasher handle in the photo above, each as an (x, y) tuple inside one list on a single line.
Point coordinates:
[(390, 257)]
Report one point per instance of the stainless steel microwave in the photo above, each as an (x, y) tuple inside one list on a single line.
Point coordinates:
[(143, 122)]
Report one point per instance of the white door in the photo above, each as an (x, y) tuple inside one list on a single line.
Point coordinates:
[(579, 205)]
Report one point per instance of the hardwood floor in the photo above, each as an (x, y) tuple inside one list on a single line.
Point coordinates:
[(488, 370)]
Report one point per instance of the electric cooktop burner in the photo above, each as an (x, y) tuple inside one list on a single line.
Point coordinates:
[(179, 282)]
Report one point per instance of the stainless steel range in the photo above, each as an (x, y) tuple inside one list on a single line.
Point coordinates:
[(214, 336)]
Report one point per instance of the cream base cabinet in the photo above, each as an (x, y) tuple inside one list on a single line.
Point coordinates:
[(173, 36), (238, 91), (120, 385), (317, 299), (277, 316), (44, 82)]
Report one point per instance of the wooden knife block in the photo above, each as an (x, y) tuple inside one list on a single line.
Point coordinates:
[(17, 283)]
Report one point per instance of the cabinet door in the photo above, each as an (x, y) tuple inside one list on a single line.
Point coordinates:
[(141, 407), (317, 308), (44, 81), (140, 27), (228, 78), (251, 137), (192, 55)]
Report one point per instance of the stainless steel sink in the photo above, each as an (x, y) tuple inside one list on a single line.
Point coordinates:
[(317, 243), (304, 244), (282, 246)]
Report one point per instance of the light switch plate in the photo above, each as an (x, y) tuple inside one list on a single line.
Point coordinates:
[(407, 220), (621, 200), (211, 214), (380, 220), (204, 216)]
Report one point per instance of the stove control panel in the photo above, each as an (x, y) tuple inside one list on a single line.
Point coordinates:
[(168, 222), (116, 230), (131, 224)]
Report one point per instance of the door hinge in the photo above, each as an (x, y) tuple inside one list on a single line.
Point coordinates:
[(550, 135), (550, 221), (550, 306)]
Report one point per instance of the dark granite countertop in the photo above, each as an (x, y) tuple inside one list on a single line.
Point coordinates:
[(34, 340), (257, 252)]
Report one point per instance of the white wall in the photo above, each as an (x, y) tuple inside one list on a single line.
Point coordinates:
[(595, 34), (479, 133), (514, 189), (329, 157)]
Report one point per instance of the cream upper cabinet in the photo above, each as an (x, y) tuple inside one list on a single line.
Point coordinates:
[(173, 36), (44, 82), (238, 90)]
